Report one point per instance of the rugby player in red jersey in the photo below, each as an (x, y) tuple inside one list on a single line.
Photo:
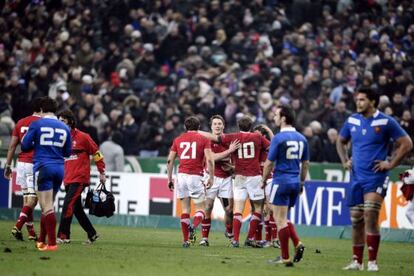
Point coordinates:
[(223, 184), (24, 173), (77, 178), (192, 150), (247, 175)]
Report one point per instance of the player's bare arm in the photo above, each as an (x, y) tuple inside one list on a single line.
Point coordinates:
[(99, 161), (10, 152), (170, 165), (342, 149), (234, 145), (210, 167), (267, 168), (269, 131), (303, 173), (210, 136), (404, 146)]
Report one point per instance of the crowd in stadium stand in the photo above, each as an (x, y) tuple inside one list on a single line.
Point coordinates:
[(141, 67)]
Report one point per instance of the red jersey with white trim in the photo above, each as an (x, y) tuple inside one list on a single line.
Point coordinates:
[(247, 157), (189, 147), (19, 131), (218, 170), (77, 166)]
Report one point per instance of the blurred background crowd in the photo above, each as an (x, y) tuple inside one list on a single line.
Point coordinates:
[(140, 67)]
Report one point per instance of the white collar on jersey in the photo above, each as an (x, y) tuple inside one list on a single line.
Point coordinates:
[(50, 116), (287, 129), (376, 113)]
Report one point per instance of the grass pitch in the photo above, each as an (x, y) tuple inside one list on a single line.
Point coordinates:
[(139, 251)]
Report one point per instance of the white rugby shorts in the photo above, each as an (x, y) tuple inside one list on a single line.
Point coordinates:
[(24, 178), (222, 187), (190, 185), (248, 187)]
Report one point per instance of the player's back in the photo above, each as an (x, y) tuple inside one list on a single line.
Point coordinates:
[(22, 126), (189, 147), (289, 149), (247, 157), (51, 141)]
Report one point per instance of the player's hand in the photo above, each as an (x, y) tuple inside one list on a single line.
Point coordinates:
[(7, 172), (347, 165), (234, 145), (171, 185), (264, 183), (102, 178), (209, 183), (382, 165), (302, 184)]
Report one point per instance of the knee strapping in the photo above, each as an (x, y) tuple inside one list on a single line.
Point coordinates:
[(372, 206)]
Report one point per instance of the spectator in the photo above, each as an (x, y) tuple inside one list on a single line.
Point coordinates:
[(113, 152), (315, 145), (130, 132), (338, 116), (329, 150)]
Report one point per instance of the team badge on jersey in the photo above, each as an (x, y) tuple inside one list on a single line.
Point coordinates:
[(377, 129)]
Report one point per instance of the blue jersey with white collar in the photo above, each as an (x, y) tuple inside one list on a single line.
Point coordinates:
[(51, 141), (288, 149), (370, 138)]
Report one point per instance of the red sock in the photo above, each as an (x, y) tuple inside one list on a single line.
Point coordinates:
[(24, 213), (284, 236), (273, 227), (237, 222), (268, 230), (254, 222), (293, 235), (50, 223), (185, 222), (259, 231), (373, 242), (198, 218), (205, 227), (42, 235), (229, 228), (29, 224), (358, 252)]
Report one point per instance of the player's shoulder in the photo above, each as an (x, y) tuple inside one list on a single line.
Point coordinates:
[(354, 119)]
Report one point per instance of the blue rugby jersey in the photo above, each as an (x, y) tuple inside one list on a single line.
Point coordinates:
[(370, 138), (51, 141), (288, 149)]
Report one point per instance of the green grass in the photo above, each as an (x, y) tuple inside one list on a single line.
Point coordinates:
[(143, 251)]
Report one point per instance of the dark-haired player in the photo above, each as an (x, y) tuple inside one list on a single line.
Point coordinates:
[(371, 132), (192, 150), (51, 141), (76, 179), (289, 150), (24, 173)]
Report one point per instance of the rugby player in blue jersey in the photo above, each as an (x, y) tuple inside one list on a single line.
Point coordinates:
[(371, 134), (289, 150), (51, 141)]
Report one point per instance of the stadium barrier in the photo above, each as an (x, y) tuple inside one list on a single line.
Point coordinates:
[(140, 197)]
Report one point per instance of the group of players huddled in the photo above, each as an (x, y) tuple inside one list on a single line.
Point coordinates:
[(238, 166)]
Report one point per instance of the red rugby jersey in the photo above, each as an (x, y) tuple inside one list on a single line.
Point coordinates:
[(77, 166), (263, 157), (247, 157), (218, 170), (189, 147), (19, 131)]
